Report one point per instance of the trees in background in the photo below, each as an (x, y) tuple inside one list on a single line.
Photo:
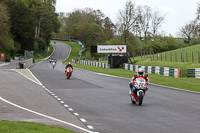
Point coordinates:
[(141, 24), (30, 23), (190, 32), (126, 20), (6, 42), (89, 26)]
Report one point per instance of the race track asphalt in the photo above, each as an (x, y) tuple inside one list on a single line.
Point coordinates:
[(104, 103)]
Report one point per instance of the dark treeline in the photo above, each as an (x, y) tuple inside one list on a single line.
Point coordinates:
[(27, 25)]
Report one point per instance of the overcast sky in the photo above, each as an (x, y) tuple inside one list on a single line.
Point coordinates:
[(178, 12)]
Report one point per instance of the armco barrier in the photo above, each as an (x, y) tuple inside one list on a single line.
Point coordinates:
[(166, 71), (193, 72), (93, 63)]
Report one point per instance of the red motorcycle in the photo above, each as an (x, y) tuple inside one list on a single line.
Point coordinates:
[(68, 72)]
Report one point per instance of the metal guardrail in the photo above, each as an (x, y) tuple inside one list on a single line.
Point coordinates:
[(92, 63), (166, 71), (193, 72)]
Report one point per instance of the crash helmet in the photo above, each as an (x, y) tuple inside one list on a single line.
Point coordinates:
[(69, 63), (140, 71)]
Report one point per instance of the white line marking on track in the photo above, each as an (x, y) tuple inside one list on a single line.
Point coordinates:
[(26, 77), (66, 105), (62, 102), (70, 109), (90, 127), (58, 99), (46, 116), (76, 114), (56, 96), (34, 77), (83, 120)]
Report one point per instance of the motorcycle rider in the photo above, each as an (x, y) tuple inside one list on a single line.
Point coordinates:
[(68, 65), (53, 61), (140, 74)]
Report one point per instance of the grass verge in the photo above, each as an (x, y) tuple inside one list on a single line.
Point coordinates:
[(29, 127)]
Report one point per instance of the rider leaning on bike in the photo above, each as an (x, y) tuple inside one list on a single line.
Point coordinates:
[(140, 74)]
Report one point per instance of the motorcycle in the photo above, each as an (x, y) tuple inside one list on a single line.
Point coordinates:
[(53, 64), (138, 90), (68, 72)]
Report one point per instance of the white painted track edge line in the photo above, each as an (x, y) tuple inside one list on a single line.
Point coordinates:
[(46, 116), (26, 76), (35, 77)]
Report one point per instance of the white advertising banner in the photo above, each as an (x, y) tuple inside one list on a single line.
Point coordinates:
[(111, 49)]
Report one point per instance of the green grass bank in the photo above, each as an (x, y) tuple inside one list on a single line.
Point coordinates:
[(29, 127)]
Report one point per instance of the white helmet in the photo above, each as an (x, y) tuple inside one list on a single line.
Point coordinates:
[(69, 63), (140, 71)]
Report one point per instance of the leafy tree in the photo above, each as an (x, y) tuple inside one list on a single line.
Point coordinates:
[(127, 19), (189, 31), (90, 34), (22, 24), (6, 42), (109, 28), (164, 44), (32, 23)]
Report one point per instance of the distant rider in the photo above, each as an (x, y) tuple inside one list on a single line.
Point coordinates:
[(53, 61), (140, 74)]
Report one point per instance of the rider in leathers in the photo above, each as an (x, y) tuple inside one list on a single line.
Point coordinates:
[(140, 74), (68, 65)]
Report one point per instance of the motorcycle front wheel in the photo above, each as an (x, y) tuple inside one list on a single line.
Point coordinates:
[(140, 98), (68, 75)]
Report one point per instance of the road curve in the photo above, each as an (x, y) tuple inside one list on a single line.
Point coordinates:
[(104, 103)]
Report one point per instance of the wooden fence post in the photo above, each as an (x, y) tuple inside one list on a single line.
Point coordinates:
[(192, 57), (181, 56), (170, 56), (157, 57), (186, 57), (175, 56), (153, 55), (199, 57)]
